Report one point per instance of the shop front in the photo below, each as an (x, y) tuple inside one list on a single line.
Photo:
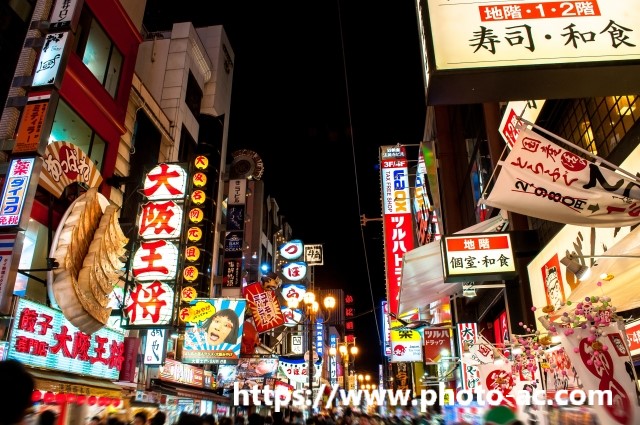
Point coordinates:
[(186, 388), (73, 371)]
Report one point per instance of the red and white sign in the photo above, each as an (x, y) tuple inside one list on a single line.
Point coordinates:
[(435, 341), (467, 335), (264, 307), (605, 371), (150, 303), (633, 337), (541, 179), (155, 260), (509, 126), (165, 181), (483, 256), (398, 218)]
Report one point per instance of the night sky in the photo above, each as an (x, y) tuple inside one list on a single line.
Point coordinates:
[(315, 103)]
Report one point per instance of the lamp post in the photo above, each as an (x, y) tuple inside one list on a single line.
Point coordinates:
[(311, 309), (345, 351)]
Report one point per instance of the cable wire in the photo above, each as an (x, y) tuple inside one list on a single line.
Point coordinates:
[(355, 172)]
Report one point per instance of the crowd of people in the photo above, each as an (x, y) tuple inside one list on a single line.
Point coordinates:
[(16, 402)]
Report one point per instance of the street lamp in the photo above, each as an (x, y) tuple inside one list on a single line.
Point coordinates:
[(311, 309), (345, 351)]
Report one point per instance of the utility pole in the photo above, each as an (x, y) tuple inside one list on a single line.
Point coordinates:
[(364, 220)]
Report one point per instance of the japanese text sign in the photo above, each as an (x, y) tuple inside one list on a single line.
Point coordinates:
[(31, 124), (154, 347), (477, 35), (264, 307), (398, 218), (47, 69), (42, 337), (16, 185), (435, 341), (479, 257)]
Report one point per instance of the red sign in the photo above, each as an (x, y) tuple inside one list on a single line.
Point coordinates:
[(128, 370), (633, 338), (264, 307), (175, 371), (434, 342)]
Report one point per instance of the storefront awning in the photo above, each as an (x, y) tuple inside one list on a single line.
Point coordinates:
[(60, 382), (194, 393), (624, 266), (422, 280)]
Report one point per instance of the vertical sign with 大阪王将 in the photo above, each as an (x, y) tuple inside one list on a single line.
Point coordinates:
[(149, 298)]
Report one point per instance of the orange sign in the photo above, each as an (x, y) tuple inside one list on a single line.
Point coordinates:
[(192, 253), (199, 179), (194, 234), (30, 129), (201, 162)]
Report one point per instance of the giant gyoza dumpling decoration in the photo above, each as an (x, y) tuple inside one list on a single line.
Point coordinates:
[(88, 246)]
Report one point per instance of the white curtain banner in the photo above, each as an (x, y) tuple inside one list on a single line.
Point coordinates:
[(541, 179), (610, 369)]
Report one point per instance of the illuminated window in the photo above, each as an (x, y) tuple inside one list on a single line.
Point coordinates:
[(98, 52), (69, 127)]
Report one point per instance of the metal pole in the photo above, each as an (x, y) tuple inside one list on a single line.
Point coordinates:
[(310, 371)]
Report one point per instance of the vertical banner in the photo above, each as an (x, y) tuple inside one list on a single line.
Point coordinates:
[(130, 355), (605, 366), (402, 376), (349, 315), (467, 338), (234, 236), (149, 298), (7, 241), (398, 222), (386, 325)]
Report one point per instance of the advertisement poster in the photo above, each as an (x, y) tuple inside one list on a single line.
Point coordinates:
[(214, 330)]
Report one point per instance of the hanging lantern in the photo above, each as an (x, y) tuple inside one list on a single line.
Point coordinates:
[(92, 400), (61, 398), (49, 397), (81, 399), (36, 396), (115, 402), (71, 398)]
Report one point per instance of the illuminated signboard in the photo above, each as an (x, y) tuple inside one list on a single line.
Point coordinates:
[(46, 72), (478, 34), (320, 337), (154, 347), (42, 337), (295, 271), (16, 184), (478, 257), (149, 301), (213, 330), (398, 225), (291, 250)]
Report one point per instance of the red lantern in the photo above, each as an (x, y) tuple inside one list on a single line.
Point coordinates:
[(71, 398), (81, 399), (49, 397), (61, 398), (36, 396), (115, 402), (92, 400)]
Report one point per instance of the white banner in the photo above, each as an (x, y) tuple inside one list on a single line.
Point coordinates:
[(541, 179), (607, 370)]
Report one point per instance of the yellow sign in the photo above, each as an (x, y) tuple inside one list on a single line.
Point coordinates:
[(196, 215), (188, 294), (201, 162), (194, 234), (190, 273), (199, 179), (192, 253), (198, 197), (403, 335)]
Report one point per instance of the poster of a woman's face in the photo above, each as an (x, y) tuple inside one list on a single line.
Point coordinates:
[(216, 337)]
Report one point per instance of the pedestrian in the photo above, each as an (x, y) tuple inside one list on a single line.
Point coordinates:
[(208, 419), (94, 421), (140, 418), (159, 418), (15, 402), (189, 419), (225, 420), (255, 419), (47, 417)]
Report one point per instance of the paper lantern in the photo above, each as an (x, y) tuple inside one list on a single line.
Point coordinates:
[(49, 397), (81, 399), (92, 400), (71, 398), (61, 398), (36, 396), (115, 402)]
